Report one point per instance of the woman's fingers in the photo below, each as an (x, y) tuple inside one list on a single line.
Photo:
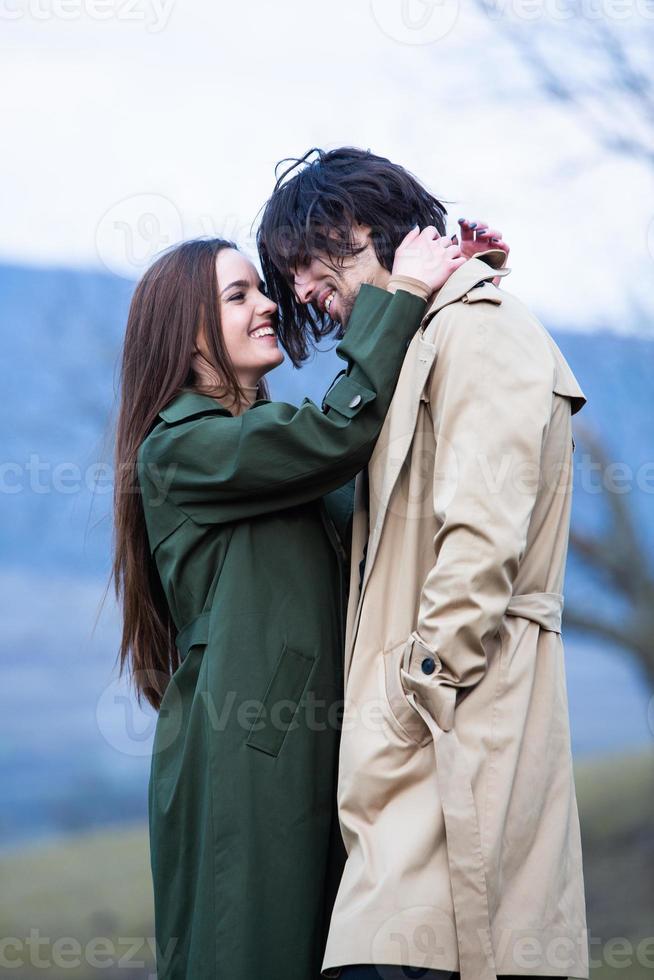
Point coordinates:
[(430, 233), (445, 241), (477, 231), (428, 256), (467, 229), (489, 235), (410, 236), (478, 236)]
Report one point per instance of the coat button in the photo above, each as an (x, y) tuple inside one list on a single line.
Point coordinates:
[(356, 401), (428, 665)]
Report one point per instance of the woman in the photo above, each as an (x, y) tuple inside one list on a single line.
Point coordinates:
[(231, 573)]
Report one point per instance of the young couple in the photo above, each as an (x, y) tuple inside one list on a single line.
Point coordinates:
[(236, 551)]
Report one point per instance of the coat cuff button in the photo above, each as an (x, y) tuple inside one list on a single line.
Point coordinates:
[(428, 665), (356, 401)]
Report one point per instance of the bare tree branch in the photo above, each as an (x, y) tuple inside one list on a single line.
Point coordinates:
[(616, 101), (618, 557)]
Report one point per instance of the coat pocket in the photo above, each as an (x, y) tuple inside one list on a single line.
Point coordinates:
[(402, 715), (281, 701)]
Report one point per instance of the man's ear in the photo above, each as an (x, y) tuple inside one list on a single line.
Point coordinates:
[(362, 234)]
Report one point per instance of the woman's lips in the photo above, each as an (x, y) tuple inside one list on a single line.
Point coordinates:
[(265, 331)]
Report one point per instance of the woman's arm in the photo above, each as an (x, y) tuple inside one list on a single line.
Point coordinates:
[(217, 468)]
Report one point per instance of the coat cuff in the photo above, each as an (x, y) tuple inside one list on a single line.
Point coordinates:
[(347, 396), (420, 675), (409, 285)]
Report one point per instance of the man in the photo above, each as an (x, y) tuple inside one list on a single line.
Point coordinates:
[(456, 793)]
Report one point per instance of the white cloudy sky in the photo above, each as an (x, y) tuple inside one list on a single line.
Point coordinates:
[(129, 123)]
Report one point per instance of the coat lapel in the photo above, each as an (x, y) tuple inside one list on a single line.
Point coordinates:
[(397, 433), (396, 437), (384, 468)]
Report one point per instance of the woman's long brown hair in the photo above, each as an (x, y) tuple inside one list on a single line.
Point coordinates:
[(176, 294)]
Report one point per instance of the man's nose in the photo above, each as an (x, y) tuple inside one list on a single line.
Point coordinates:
[(303, 288)]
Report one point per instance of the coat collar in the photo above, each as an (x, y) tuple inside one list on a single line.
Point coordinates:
[(189, 403), (484, 266)]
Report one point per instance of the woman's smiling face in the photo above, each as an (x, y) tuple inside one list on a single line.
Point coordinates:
[(248, 319)]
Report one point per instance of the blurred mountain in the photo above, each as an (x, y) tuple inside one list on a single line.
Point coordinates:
[(63, 760), (63, 330)]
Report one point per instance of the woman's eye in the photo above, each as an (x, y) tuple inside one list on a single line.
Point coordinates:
[(236, 296)]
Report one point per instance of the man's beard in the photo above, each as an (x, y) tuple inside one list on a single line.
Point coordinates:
[(347, 301)]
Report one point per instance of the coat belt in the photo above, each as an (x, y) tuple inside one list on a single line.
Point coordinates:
[(463, 838)]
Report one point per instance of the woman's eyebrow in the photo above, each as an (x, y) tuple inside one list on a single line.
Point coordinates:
[(243, 283)]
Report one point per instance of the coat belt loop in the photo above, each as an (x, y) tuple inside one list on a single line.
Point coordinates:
[(195, 632), (544, 608)]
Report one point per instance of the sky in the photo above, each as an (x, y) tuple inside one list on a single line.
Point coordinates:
[(131, 124)]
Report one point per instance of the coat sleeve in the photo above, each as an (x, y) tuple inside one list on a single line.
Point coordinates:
[(490, 398), (218, 468)]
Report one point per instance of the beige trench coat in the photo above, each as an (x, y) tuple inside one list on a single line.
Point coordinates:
[(456, 794)]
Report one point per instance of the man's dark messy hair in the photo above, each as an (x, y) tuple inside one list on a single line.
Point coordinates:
[(312, 210)]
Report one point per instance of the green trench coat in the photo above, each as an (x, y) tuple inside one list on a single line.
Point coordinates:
[(245, 847)]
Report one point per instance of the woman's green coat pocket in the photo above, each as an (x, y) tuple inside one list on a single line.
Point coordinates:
[(281, 701)]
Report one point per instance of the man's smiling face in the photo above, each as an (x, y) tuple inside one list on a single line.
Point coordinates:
[(307, 239), (332, 289)]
